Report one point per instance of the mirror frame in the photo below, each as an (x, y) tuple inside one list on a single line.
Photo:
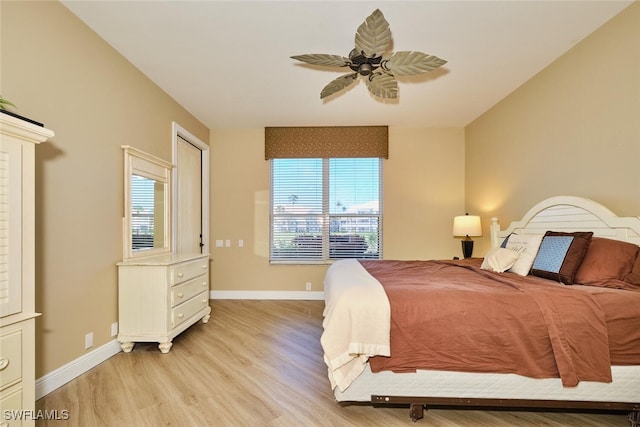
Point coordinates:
[(137, 162)]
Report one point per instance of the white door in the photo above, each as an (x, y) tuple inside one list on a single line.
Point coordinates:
[(190, 192), (189, 197)]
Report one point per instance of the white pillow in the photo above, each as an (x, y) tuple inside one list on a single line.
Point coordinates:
[(499, 259), (527, 246)]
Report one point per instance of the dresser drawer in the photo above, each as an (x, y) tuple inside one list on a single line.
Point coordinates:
[(189, 308), (10, 358), (188, 270), (185, 291), (12, 402)]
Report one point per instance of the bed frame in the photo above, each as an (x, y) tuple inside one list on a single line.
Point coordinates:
[(565, 213), (446, 389)]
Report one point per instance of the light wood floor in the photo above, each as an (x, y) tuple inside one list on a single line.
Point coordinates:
[(256, 363)]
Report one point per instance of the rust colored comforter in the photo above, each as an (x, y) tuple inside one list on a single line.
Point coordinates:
[(452, 315)]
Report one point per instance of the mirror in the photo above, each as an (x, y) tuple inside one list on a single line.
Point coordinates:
[(146, 229)]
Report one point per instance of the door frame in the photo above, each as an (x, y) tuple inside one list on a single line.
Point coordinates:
[(179, 131)]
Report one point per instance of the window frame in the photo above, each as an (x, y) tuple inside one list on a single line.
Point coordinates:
[(325, 216)]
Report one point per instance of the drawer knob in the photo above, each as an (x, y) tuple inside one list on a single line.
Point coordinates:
[(4, 362), (180, 315), (204, 283), (180, 294), (204, 266), (180, 275)]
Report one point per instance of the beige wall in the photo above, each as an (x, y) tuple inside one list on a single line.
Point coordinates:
[(423, 190), (59, 72), (573, 129)]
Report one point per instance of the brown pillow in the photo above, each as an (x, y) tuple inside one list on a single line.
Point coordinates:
[(606, 259), (560, 255), (634, 277)]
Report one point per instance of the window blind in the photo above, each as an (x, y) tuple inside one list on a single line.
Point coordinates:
[(325, 208), (142, 212)]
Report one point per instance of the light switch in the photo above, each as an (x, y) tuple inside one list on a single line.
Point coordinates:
[(227, 243), (218, 243), (240, 243)]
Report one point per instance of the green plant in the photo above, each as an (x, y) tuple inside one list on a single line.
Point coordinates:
[(4, 103)]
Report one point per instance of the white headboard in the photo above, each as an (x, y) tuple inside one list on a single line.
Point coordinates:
[(567, 213)]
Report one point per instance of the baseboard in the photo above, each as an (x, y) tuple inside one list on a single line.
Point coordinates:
[(281, 295), (59, 377)]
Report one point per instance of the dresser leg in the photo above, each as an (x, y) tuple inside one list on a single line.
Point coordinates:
[(165, 347), (127, 346), (207, 316)]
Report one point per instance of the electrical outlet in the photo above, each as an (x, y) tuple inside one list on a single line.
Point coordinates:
[(88, 341), (114, 329), (308, 286)]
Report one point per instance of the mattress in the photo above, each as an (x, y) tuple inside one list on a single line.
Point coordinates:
[(624, 388)]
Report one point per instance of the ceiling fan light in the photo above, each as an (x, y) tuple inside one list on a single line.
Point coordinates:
[(365, 69)]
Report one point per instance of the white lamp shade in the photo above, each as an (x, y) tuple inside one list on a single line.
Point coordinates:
[(467, 225)]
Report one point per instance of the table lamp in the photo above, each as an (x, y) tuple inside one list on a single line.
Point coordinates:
[(467, 225)]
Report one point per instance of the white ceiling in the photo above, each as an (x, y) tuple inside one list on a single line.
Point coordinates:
[(227, 62)]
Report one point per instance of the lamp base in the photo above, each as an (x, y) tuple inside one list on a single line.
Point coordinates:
[(467, 247)]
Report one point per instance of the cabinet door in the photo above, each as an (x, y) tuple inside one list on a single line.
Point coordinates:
[(10, 227)]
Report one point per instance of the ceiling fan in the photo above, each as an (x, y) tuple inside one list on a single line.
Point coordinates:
[(371, 60)]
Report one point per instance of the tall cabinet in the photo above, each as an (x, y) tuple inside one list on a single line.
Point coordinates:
[(18, 139)]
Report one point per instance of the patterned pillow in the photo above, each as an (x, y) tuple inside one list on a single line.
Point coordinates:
[(527, 247), (560, 255), (506, 239)]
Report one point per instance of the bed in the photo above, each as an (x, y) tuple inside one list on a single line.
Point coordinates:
[(575, 339)]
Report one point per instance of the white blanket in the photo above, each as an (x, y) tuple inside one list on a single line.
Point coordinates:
[(356, 321)]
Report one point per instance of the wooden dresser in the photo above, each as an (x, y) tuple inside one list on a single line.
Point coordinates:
[(161, 296), (17, 268)]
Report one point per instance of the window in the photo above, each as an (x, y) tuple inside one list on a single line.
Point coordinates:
[(325, 209)]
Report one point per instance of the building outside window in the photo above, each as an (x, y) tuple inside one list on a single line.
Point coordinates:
[(324, 209)]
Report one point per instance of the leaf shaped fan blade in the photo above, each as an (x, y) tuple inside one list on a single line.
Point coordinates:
[(338, 84), (406, 63), (373, 36), (4, 102), (323, 59), (383, 85)]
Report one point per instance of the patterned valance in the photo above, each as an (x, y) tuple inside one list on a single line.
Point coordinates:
[(326, 142)]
